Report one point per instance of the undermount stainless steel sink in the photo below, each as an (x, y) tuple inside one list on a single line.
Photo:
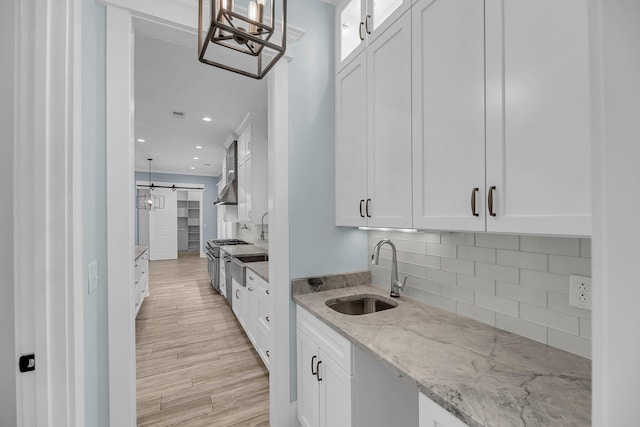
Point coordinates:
[(360, 304), (252, 258)]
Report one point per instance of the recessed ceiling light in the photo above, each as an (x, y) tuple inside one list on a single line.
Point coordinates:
[(141, 140), (192, 167), (199, 147), (206, 118), (196, 158)]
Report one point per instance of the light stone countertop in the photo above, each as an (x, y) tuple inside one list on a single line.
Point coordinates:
[(260, 268), (239, 250), (482, 375), (140, 250)]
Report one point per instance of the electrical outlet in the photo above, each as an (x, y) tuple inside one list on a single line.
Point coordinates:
[(580, 291)]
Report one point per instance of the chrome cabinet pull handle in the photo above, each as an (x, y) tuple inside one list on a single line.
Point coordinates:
[(367, 208), (361, 202), (318, 370), (366, 24), (312, 359), (490, 201), (267, 353), (267, 291), (360, 31), (250, 289), (267, 318), (237, 294), (473, 201)]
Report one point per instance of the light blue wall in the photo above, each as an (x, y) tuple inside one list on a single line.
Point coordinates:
[(317, 246), (7, 337), (95, 207), (210, 194)]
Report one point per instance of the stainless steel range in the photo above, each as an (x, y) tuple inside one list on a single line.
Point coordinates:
[(215, 258)]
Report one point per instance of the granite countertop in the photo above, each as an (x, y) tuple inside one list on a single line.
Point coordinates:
[(140, 250), (238, 250), (482, 375), (260, 268)]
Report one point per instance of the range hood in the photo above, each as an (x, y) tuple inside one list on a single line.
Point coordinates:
[(229, 194)]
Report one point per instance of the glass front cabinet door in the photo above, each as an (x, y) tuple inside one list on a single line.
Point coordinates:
[(360, 22)]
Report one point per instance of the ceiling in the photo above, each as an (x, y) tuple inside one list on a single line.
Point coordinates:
[(168, 77)]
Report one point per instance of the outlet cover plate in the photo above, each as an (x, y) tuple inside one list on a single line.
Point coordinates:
[(93, 276), (580, 291)]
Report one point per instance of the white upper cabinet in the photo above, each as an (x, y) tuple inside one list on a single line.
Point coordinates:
[(360, 22), (351, 144), (373, 133), (389, 201), (448, 115), (538, 116)]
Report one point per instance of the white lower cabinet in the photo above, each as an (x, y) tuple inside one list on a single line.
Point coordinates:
[(239, 304), (141, 285), (433, 415), (325, 380)]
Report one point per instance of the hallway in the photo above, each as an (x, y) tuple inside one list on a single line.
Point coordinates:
[(195, 365)]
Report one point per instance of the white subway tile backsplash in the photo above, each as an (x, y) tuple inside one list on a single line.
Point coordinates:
[(550, 245), (497, 272), (456, 265), (441, 276), (470, 253), (585, 248), (517, 283), (569, 265), (479, 284), (458, 238), (523, 294), (430, 298), (585, 328), (560, 302), (448, 251), (456, 293), (480, 314), (552, 319), (545, 281), (571, 343), (499, 241), (529, 260), (522, 327), (497, 304)]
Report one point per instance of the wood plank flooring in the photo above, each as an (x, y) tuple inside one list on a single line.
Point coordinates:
[(195, 365)]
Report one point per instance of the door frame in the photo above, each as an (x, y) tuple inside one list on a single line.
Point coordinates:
[(123, 18), (47, 212)]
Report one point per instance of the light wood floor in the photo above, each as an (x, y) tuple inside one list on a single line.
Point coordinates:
[(195, 365)]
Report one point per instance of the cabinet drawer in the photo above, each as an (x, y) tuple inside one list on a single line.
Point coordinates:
[(264, 344), (332, 343)]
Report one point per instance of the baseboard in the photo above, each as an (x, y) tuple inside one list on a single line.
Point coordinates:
[(293, 415)]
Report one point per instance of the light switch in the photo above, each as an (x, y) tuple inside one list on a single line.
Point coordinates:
[(93, 277)]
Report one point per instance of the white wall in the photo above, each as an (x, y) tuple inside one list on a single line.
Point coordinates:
[(615, 52), (7, 349)]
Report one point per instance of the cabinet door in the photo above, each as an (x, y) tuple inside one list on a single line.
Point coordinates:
[(350, 37), (538, 116), (381, 14), (242, 194), (248, 187), (448, 114), (433, 415), (251, 318), (335, 393), (389, 125), (351, 143), (308, 390)]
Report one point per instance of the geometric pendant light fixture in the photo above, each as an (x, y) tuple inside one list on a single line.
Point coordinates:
[(146, 199), (246, 42)]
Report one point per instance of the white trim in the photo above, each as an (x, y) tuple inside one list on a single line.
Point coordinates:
[(122, 19), (278, 160), (48, 212), (120, 217)]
